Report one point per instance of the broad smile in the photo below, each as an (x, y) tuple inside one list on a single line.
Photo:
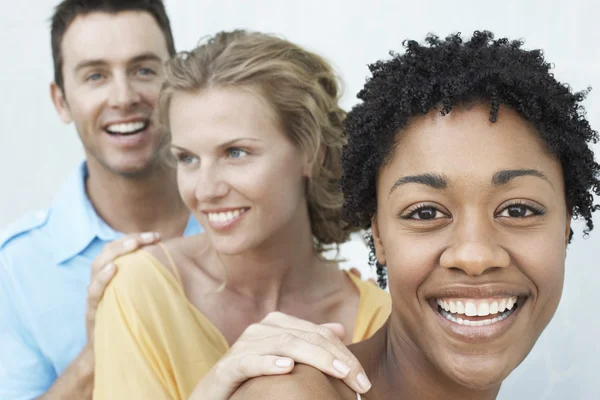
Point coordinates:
[(224, 219), (477, 319)]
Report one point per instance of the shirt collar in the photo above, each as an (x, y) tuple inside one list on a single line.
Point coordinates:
[(73, 220), (75, 224)]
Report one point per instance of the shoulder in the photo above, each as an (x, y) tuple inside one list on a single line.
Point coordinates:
[(24, 245), (303, 383), (371, 293), (22, 229)]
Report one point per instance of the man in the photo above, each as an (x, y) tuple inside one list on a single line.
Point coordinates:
[(108, 57)]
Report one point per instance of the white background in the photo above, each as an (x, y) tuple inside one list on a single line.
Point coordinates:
[(37, 152)]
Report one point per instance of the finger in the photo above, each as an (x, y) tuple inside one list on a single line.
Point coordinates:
[(316, 352), (336, 328), (247, 366), (373, 281), (97, 286), (120, 247)]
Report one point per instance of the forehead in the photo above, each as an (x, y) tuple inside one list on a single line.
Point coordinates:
[(223, 112), (112, 37), (466, 143)]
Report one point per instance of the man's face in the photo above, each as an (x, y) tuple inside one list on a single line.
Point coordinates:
[(112, 69)]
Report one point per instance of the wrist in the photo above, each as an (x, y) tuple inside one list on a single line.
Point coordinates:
[(85, 363)]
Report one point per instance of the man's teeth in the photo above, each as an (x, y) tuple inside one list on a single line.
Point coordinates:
[(477, 307), (225, 216), (129, 127)]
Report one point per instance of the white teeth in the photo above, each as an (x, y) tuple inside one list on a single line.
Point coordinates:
[(452, 307), (510, 303), (477, 307), (126, 128), (483, 322), (470, 309), (225, 216), (483, 309), (494, 308), (502, 305)]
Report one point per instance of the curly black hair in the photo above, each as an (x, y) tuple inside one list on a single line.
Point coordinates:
[(445, 73)]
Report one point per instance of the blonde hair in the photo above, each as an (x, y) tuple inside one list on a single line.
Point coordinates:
[(302, 89)]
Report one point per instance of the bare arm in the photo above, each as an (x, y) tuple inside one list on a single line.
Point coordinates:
[(304, 383), (77, 382)]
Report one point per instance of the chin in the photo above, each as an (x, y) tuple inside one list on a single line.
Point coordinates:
[(482, 373)]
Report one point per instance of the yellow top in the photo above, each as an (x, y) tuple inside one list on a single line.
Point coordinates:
[(152, 343)]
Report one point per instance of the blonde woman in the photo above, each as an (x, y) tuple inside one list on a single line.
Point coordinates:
[(257, 135)]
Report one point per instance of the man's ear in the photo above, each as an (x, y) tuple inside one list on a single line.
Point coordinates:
[(379, 248), (60, 103)]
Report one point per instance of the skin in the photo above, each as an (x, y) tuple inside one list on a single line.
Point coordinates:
[(232, 153), (129, 186), (474, 237)]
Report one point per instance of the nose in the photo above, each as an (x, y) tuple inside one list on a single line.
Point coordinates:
[(123, 93), (210, 184), (475, 249)]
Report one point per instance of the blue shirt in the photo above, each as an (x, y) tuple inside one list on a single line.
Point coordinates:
[(45, 261)]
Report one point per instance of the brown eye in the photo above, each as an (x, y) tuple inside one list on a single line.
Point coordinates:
[(424, 213), (519, 210)]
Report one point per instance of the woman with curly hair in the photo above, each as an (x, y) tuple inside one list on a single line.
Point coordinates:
[(467, 160)]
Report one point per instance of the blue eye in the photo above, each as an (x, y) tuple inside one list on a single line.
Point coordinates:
[(186, 159), (146, 71), (235, 152), (94, 77)]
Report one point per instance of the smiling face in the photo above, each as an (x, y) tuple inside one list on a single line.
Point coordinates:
[(237, 170), (112, 77), (472, 225)]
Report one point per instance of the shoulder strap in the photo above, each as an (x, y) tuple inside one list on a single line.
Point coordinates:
[(173, 266)]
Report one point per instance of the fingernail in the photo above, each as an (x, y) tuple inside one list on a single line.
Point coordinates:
[(283, 362), (341, 367), (130, 244), (110, 267), (363, 381), (147, 236)]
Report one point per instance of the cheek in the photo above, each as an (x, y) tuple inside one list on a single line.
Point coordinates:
[(187, 188), (86, 107), (149, 92), (410, 259), (542, 258)]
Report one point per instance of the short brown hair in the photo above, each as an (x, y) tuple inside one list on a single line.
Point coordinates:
[(302, 89), (66, 12)]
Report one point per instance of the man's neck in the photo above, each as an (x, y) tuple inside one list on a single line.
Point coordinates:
[(145, 203)]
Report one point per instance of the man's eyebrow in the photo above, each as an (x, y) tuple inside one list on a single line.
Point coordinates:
[(95, 62), (436, 181), (507, 175)]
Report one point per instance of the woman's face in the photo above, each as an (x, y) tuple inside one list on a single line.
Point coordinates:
[(472, 225), (238, 172)]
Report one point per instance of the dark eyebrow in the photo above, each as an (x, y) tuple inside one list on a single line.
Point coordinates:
[(505, 176), (98, 62), (435, 181)]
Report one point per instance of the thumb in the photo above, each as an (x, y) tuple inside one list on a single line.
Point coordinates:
[(336, 328)]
